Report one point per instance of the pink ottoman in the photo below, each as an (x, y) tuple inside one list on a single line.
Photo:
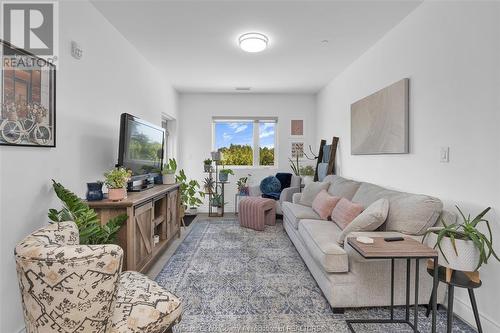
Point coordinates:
[(256, 212)]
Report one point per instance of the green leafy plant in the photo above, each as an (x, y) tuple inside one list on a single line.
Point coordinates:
[(217, 200), (227, 171), (467, 230), (208, 184), (117, 177), (241, 183), (88, 223), (189, 190), (294, 165), (307, 170), (207, 161), (170, 167)]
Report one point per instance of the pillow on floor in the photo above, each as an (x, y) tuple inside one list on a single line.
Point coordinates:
[(345, 212), (369, 220), (311, 191), (324, 203)]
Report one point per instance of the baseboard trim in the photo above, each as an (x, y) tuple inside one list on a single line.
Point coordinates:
[(463, 310)]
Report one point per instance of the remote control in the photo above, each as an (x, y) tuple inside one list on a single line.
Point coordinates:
[(393, 239)]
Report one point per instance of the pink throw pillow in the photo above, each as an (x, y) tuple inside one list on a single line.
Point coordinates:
[(324, 203), (345, 212)]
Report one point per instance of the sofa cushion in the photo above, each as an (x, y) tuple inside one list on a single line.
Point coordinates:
[(408, 213), (342, 187), (345, 212), (310, 192), (370, 219), (296, 212), (320, 239)]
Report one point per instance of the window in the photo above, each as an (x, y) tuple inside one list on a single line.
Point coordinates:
[(246, 142)]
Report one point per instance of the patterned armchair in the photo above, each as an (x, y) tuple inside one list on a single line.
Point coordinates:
[(67, 287)]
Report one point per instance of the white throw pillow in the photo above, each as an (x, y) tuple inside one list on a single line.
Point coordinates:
[(370, 219), (311, 191)]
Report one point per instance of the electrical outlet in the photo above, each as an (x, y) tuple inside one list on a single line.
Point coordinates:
[(445, 155)]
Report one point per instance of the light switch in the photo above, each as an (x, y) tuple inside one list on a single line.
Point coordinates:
[(445, 155)]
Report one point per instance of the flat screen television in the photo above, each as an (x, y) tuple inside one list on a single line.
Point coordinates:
[(141, 147)]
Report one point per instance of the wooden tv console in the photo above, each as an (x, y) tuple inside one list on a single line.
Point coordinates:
[(151, 212)]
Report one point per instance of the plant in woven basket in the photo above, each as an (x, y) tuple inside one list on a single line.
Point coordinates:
[(89, 225), (462, 245)]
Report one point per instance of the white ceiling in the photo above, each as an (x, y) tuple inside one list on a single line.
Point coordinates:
[(194, 43)]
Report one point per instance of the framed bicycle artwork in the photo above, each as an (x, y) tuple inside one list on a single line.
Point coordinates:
[(27, 99)]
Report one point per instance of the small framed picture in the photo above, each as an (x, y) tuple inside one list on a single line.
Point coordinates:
[(297, 127), (297, 149), (27, 99)]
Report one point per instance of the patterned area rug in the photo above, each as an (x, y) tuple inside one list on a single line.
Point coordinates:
[(233, 279)]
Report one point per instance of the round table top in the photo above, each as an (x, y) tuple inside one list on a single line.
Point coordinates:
[(458, 278)]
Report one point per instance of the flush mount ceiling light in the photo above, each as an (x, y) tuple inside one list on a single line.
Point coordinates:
[(253, 42)]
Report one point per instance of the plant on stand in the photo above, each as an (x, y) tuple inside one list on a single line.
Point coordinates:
[(168, 171), (218, 202), (224, 174), (207, 165), (116, 181), (242, 186), (208, 185), (462, 246), (190, 193)]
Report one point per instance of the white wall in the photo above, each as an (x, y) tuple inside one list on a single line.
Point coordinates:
[(451, 53), (111, 78), (195, 131)]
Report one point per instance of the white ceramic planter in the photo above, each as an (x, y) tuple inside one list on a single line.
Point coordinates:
[(307, 180), (169, 179), (468, 253)]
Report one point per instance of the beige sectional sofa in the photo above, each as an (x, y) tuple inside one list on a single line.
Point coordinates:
[(346, 278)]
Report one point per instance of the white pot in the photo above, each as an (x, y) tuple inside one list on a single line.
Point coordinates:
[(468, 253), (307, 180), (192, 211), (169, 179)]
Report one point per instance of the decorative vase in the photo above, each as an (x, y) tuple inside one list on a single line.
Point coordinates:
[(307, 180), (207, 167), (117, 194), (223, 176), (468, 253), (94, 191), (169, 179), (216, 155)]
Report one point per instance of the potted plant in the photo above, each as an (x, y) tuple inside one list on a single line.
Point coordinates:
[(207, 165), (242, 186), (294, 165), (190, 193), (216, 156), (116, 181), (208, 185), (462, 247), (224, 174), (217, 201), (307, 174), (168, 171)]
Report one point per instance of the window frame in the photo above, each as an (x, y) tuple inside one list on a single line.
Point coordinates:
[(256, 121)]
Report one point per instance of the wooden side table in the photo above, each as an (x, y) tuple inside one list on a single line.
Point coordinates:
[(407, 249), (461, 280)]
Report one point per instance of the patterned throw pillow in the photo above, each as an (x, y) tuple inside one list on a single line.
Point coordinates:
[(345, 212), (270, 184), (324, 204)]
